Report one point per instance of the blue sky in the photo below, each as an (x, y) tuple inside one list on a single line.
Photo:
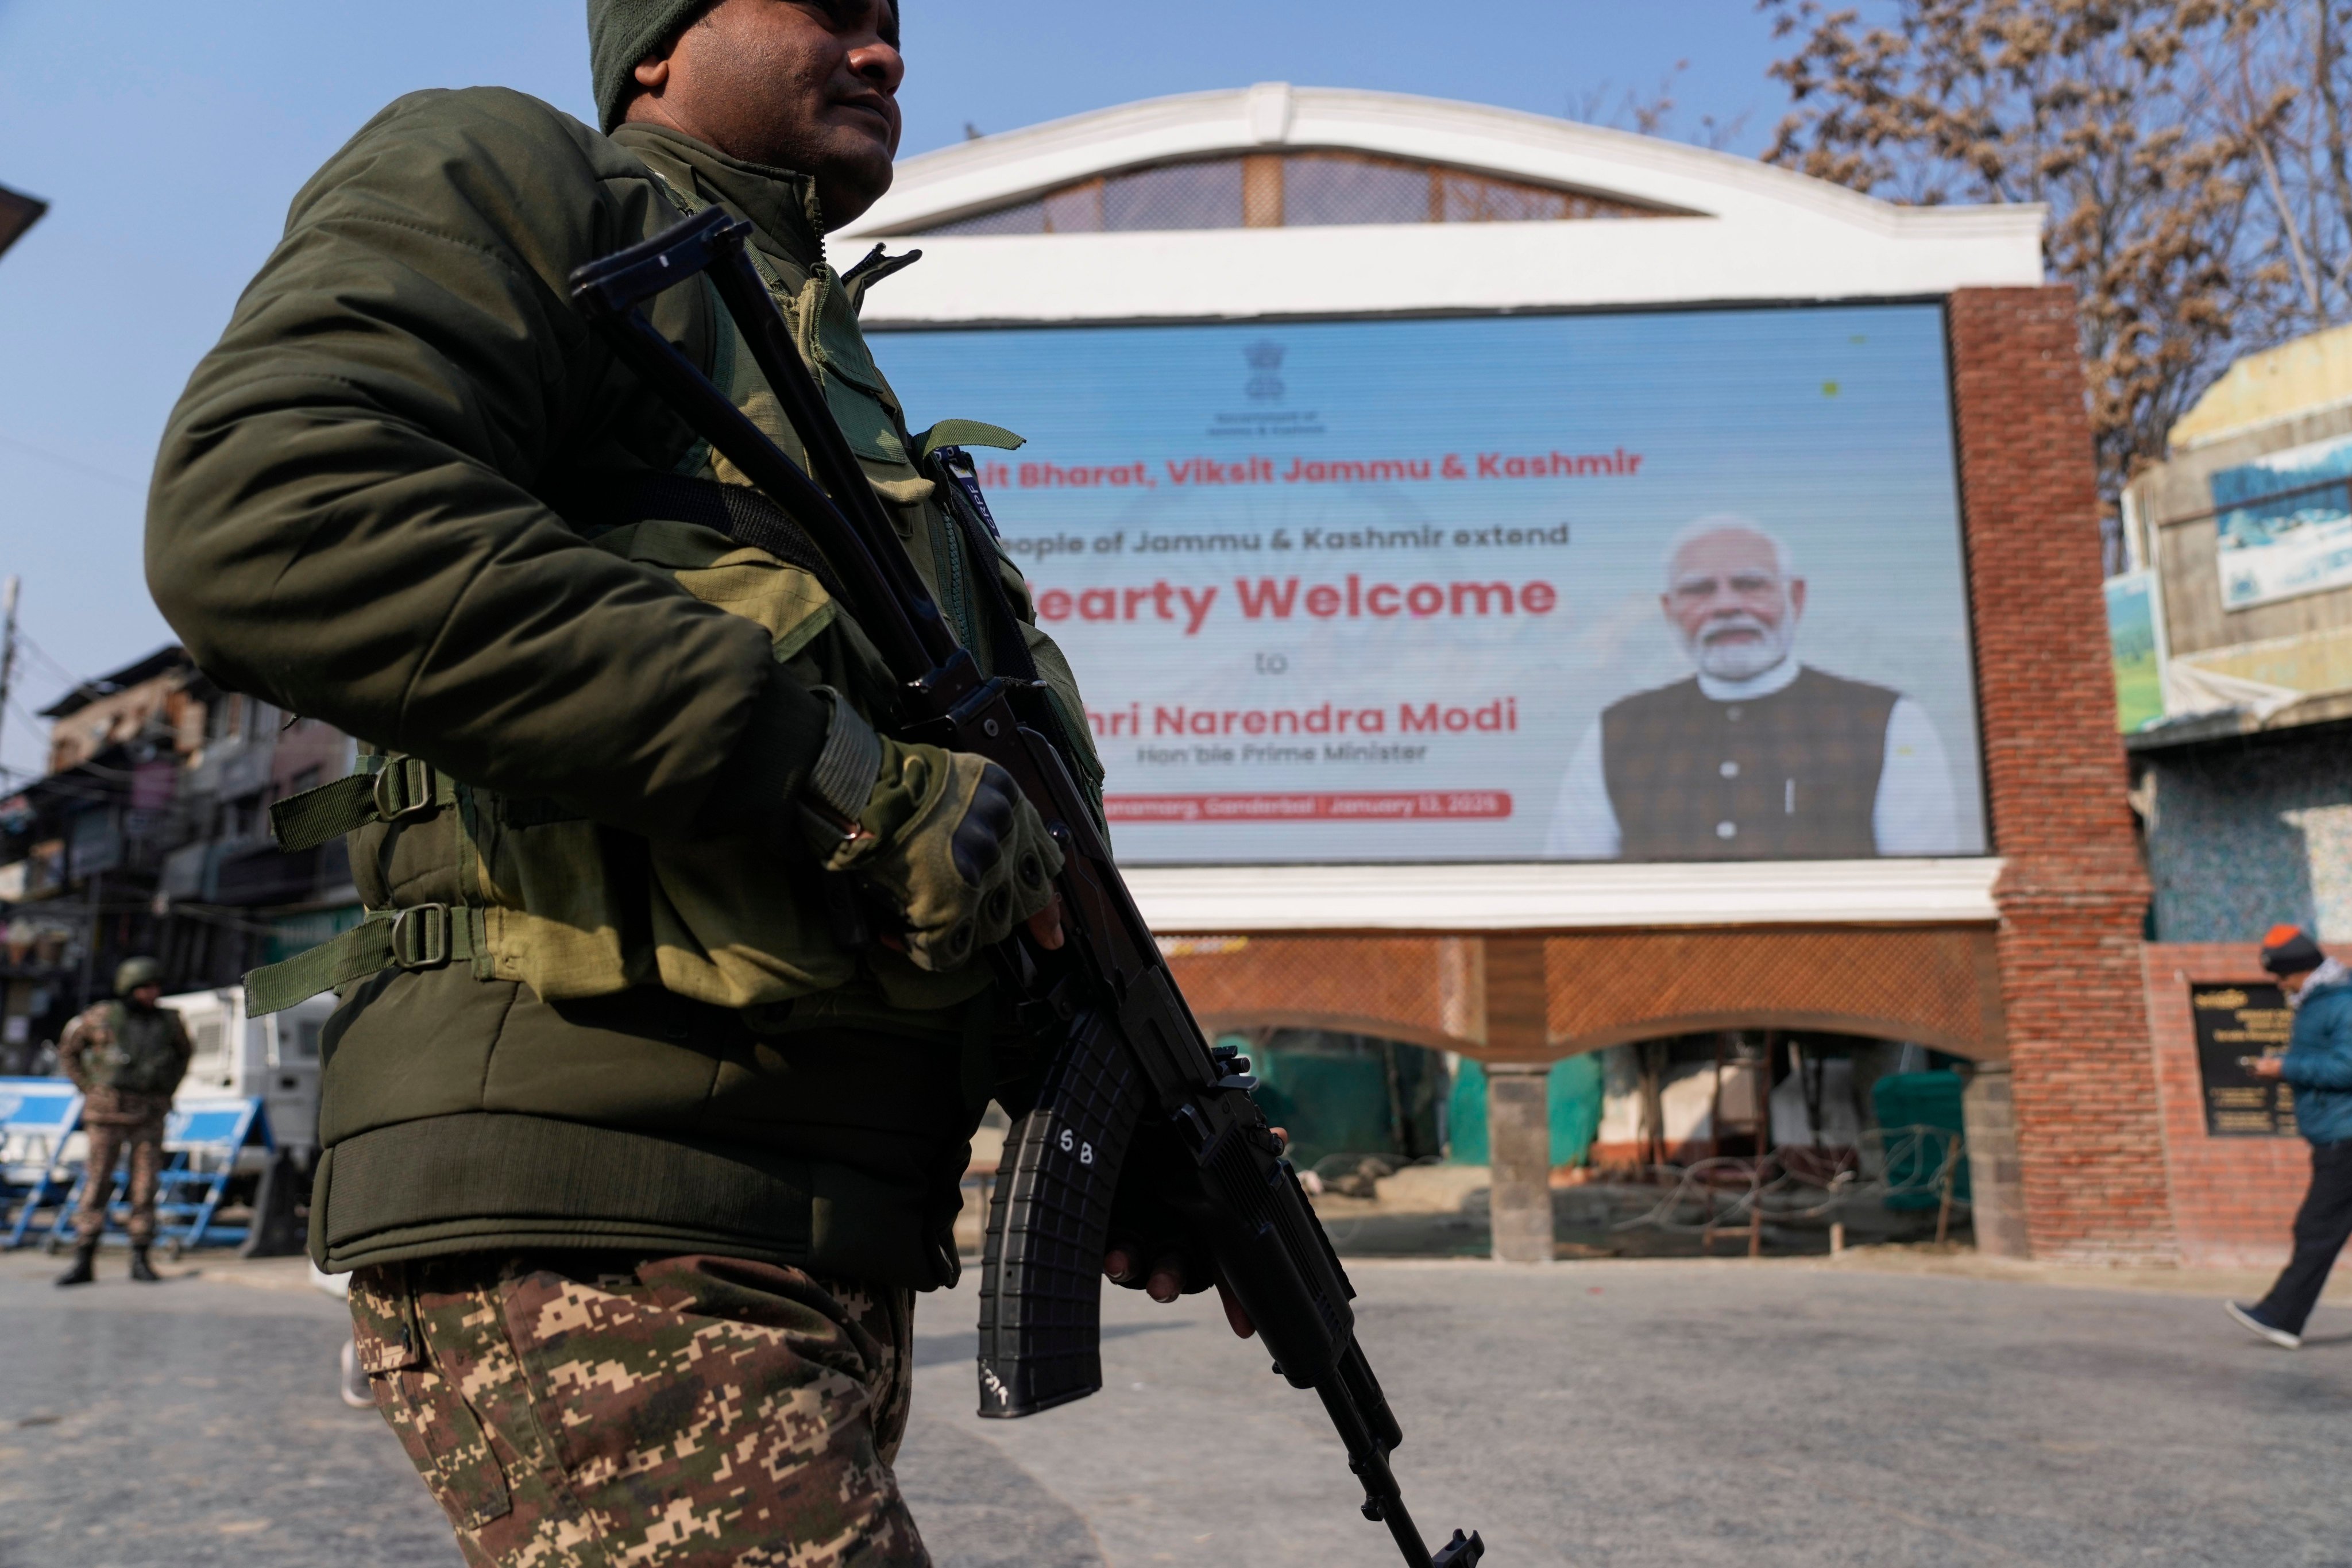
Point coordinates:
[(169, 141)]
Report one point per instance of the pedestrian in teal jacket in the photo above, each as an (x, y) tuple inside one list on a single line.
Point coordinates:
[(2319, 1065), (2318, 1060)]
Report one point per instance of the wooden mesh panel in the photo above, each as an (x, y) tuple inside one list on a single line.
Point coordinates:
[(1934, 986), (1937, 986), (1398, 987)]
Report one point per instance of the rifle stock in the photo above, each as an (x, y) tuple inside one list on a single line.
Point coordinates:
[(1134, 1091)]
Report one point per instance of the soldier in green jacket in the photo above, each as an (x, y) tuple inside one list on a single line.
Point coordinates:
[(637, 1167), (127, 1056)]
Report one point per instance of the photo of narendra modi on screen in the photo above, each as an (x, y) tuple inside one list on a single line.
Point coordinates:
[(1757, 754)]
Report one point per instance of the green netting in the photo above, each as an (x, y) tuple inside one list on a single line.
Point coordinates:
[(1333, 1093), (1574, 1102), (1914, 1164)]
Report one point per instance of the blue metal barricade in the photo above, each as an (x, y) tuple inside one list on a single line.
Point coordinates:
[(36, 1116), (202, 1139)]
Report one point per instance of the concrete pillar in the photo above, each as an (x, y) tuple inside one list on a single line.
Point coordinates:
[(1996, 1179), (1518, 1144), (1518, 1112)]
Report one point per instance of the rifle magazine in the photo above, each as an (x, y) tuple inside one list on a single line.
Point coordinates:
[(1048, 1223)]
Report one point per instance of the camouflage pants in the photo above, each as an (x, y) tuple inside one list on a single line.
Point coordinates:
[(107, 1141), (577, 1412)]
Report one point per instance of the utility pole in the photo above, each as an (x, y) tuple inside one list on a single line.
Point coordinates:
[(8, 596)]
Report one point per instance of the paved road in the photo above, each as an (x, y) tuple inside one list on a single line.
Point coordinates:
[(192, 1424), (1610, 1416), (1625, 1414)]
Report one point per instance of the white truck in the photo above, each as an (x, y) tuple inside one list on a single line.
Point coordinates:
[(276, 1058)]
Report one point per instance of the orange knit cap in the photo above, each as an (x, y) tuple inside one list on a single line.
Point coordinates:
[(2289, 949)]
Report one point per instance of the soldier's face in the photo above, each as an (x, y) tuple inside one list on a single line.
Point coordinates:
[(147, 996), (1733, 611), (806, 85)]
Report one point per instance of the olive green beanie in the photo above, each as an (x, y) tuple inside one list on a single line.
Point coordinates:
[(623, 32), (620, 34)]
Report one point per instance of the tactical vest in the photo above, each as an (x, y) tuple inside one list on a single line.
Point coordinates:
[(524, 891), (1790, 775), (139, 1050)]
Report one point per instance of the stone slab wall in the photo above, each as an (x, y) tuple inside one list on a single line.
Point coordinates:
[(2245, 833)]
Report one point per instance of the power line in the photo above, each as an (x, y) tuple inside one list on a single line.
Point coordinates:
[(84, 469), (55, 671), (56, 667), (21, 711)]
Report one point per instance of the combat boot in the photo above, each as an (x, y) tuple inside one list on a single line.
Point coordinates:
[(85, 1264), (141, 1269)]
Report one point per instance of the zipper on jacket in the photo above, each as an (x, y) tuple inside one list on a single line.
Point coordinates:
[(958, 586)]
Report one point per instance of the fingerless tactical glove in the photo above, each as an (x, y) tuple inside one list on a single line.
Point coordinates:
[(947, 837)]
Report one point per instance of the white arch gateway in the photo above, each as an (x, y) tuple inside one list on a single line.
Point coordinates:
[(1282, 212), (1716, 227)]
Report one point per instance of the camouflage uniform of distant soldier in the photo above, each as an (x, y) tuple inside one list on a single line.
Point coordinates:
[(127, 1056)]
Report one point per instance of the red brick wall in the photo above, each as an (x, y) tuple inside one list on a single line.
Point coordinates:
[(2072, 895), (2232, 1198)]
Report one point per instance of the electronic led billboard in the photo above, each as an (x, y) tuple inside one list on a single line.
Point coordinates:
[(1642, 586)]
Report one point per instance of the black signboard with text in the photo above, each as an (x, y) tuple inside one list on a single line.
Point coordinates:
[(2235, 1021)]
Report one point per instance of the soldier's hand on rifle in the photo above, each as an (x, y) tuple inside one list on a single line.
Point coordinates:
[(1175, 1270), (1169, 1278), (945, 837)]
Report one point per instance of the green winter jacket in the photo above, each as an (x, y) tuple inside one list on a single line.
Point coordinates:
[(382, 503)]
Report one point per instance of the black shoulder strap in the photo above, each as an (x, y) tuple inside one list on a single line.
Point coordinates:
[(960, 494)]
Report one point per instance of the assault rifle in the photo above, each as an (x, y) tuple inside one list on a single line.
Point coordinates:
[(1134, 1091)]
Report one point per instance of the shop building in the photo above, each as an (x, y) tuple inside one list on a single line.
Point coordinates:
[(149, 833), (2233, 657)]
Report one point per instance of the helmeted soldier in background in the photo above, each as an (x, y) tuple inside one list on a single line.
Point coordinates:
[(636, 1154), (127, 1056)]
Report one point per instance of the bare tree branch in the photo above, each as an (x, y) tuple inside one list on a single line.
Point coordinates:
[(2194, 154)]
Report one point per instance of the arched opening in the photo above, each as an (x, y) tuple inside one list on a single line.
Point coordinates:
[(1769, 1140), (1831, 1010), (1680, 1099), (1765, 1141)]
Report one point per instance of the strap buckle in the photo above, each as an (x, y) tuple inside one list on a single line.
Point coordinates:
[(421, 943), (404, 789)]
